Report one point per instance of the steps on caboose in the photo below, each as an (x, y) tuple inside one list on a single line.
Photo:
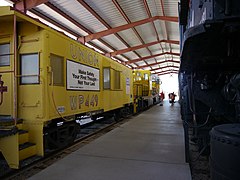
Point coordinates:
[(7, 131), (7, 120), (23, 136), (27, 150)]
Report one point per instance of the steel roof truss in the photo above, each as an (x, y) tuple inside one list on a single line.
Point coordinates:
[(124, 27), (139, 47), (148, 57), (25, 5), (158, 63)]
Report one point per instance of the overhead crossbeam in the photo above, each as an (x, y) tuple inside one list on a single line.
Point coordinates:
[(124, 27), (66, 16), (164, 67), (110, 54), (157, 63), (167, 72), (99, 18), (24, 5), (124, 15), (148, 57)]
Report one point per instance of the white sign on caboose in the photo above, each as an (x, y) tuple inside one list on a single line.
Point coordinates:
[(82, 77)]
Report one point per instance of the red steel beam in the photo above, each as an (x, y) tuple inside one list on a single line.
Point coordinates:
[(62, 27), (24, 5), (51, 6), (124, 27), (163, 12), (148, 57), (169, 72), (150, 15), (76, 23), (53, 22), (139, 47), (164, 67), (157, 63), (86, 6), (117, 5)]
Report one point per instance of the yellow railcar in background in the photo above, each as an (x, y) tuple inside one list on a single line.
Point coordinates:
[(155, 88), (145, 90), (48, 81)]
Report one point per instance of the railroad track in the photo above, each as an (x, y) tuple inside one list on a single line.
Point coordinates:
[(199, 163), (89, 132)]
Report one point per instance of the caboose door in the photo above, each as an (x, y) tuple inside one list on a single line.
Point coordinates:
[(6, 80)]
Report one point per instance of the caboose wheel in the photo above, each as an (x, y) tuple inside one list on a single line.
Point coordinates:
[(94, 118), (116, 116), (60, 136)]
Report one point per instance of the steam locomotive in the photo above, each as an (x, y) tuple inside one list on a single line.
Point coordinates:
[(209, 77)]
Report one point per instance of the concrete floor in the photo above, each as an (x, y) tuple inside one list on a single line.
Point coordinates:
[(148, 147)]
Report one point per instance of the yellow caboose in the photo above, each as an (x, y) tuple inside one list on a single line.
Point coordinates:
[(47, 81)]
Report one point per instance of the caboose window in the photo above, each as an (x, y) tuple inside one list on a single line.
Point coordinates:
[(57, 69), (29, 69), (146, 77), (116, 79), (106, 78), (5, 54)]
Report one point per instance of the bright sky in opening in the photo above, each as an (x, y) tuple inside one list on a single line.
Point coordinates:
[(169, 84)]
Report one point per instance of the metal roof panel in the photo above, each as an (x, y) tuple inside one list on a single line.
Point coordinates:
[(107, 11), (129, 36), (134, 9), (74, 9), (59, 19)]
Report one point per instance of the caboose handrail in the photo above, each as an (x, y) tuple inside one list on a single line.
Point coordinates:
[(6, 54), (6, 72), (28, 75), (42, 91)]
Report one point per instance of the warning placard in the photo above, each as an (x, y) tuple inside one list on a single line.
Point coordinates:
[(82, 77)]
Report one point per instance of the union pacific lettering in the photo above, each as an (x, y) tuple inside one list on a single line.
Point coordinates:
[(83, 55)]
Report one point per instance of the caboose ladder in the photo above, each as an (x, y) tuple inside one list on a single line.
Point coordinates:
[(26, 148), (16, 147)]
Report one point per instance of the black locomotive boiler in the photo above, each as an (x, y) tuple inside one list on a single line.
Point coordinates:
[(209, 81)]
